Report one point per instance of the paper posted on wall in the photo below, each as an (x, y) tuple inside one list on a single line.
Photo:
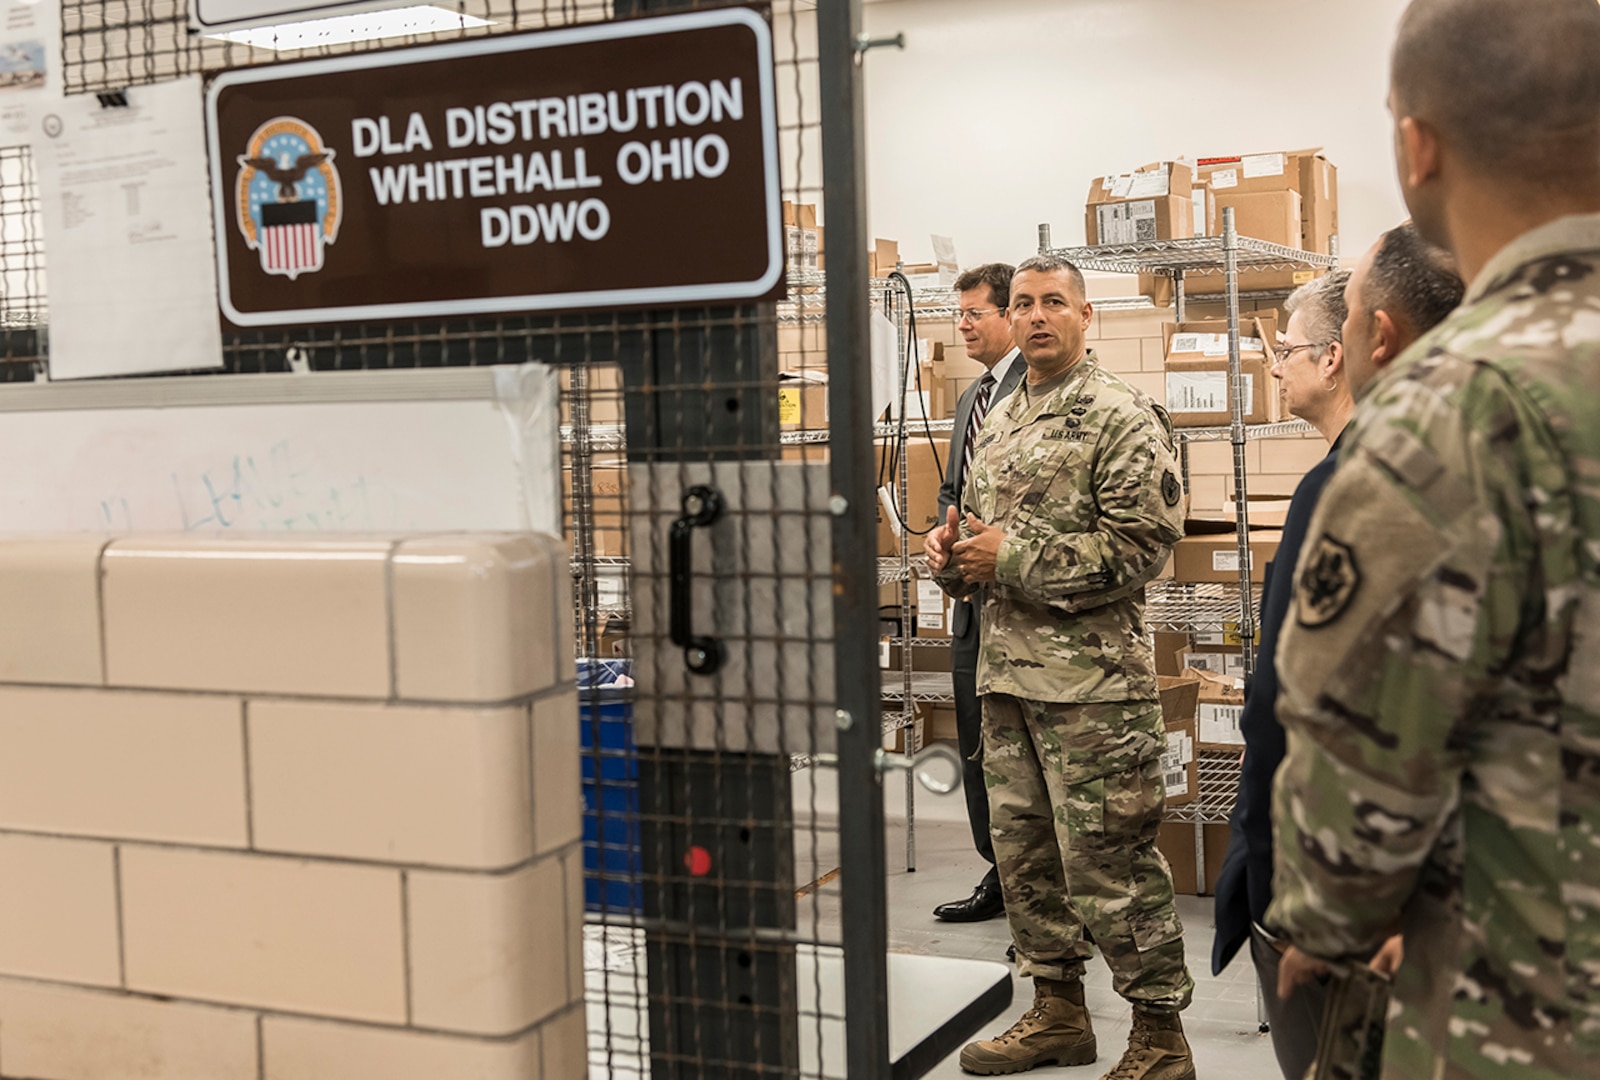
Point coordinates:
[(127, 224), (30, 63)]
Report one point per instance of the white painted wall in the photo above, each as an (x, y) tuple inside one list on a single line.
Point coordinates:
[(999, 113)]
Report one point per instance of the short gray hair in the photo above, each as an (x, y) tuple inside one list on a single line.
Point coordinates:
[(1321, 303), (1054, 264)]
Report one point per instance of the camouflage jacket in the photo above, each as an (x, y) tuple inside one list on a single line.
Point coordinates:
[(1083, 482), (1440, 676)]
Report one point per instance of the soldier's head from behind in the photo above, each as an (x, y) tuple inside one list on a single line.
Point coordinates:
[(983, 295), (1496, 108), (1050, 315), (1402, 288), (1309, 365)]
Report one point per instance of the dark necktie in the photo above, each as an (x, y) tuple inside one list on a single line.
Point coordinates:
[(980, 409)]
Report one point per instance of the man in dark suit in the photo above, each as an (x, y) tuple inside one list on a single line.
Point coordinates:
[(984, 295)]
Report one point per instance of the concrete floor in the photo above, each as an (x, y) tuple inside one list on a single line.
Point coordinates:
[(1221, 1024)]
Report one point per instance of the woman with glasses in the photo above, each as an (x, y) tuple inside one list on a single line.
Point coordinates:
[(1311, 374)]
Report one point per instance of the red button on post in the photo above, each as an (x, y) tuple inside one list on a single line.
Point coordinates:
[(698, 861)]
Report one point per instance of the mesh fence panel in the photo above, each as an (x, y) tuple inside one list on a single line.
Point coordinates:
[(712, 854)]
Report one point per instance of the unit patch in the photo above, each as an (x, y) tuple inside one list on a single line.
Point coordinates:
[(1328, 583), (1171, 490)]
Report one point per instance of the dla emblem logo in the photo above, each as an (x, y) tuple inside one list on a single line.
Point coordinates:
[(289, 205)]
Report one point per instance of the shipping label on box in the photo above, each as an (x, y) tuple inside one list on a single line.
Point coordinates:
[(1228, 665), (930, 605), (1127, 223), (1227, 562), (1150, 184), (1202, 391), (1209, 345), (1219, 724), (1223, 179), (1175, 762), (1258, 165)]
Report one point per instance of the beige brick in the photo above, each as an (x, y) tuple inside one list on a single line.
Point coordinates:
[(1133, 324), (66, 1033), (296, 1049), (1206, 493), (572, 869), (478, 618), (1152, 383), (1292, 455), (125, 765), (58, 910), (50, 593), (566, 651), (1152, 353), (488, 952), (255, 615), (1216, 458), (1118, 354), (566, 1048), (309, 937), (557, 790), (396, 783)]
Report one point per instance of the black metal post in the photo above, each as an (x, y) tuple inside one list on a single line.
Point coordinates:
[(855, 570)]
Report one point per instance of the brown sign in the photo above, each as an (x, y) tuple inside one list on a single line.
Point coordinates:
[(620, 164)]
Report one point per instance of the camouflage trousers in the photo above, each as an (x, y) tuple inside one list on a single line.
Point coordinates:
[(1075, 799)]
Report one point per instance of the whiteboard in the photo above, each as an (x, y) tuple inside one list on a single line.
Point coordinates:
[(369, 451)]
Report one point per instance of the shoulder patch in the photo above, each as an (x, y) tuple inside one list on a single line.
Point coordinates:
[(1171, 490), (1327, 583)]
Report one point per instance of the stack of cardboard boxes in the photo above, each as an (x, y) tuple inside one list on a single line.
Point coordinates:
[(1287, 197), (1196, 354)]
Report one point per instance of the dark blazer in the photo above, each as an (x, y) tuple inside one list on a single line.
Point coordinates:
[(950, 491), (1244, 885)]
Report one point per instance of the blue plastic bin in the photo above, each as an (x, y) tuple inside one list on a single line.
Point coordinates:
[(611, 865)]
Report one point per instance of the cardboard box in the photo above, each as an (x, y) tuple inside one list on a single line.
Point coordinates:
[(608, 480), (1175, 840), (883, 258), (1305, 172), (1262, 509), (1197, 372), (932, 612), (603, 392), (802, 400), (1214, 557), (1273, 216), (803, 215), (1217, 712), (1170, 648), (1179, 764), (925, 463), (1152, 203)]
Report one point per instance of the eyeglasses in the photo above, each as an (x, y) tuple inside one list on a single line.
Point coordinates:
[(1282, 355), (974, 314)]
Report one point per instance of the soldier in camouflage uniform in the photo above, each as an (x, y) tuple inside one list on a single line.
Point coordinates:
[(1441, 661), (1073, 504)]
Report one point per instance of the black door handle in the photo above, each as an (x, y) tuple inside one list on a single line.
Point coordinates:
[(701, 506)]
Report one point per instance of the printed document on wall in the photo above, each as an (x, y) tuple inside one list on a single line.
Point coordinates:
[(131, 271), (30, 64)]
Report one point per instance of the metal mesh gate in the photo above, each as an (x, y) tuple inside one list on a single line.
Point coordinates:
[(731, 564)]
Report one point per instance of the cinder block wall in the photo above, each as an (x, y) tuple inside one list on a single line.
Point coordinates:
[(289, 809)]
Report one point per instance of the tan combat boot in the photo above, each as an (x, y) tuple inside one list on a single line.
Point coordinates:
[(1056, 1031), (1156, 1050)]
